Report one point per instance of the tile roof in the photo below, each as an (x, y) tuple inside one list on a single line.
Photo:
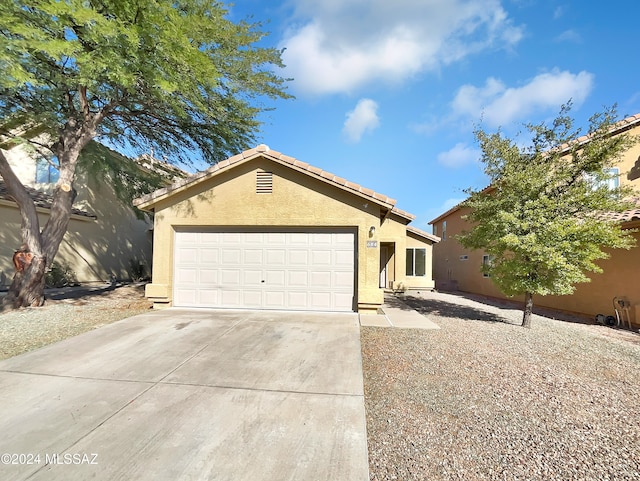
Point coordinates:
[(626, 216), (41, 199), (423, 234), (264, 151), (618, 127)]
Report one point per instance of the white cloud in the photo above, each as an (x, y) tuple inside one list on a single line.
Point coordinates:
[(434, 212), (363, 118), (338, 46), (499, 105), (569, 36), (459, 156)]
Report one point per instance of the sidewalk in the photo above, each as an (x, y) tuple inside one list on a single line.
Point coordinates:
[(396, 313)]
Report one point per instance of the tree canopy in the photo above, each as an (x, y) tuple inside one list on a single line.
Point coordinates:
[(173, 75), (178, 75), (544, 219)]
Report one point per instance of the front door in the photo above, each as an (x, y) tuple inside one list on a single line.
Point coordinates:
[(384, 259)]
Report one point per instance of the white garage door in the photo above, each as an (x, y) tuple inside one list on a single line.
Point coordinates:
[(264, 270)]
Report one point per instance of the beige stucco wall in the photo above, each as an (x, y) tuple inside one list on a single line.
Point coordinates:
[(618, 279), (94, 249), (298, 200)]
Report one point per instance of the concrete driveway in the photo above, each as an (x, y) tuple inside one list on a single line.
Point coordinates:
[(190, 395)]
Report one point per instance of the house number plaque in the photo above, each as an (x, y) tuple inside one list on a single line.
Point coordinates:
[(372, 243)]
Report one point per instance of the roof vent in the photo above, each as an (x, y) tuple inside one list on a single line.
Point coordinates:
[(264, 182)]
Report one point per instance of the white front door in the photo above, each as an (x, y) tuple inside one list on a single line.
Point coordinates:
[(265, 270), (384, 259)]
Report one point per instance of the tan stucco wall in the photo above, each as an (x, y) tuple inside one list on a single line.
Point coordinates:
[(94, 249), (298, 200), (619, 277)]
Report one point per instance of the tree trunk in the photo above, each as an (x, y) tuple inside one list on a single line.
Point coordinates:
[(27, 288), (528, 310)]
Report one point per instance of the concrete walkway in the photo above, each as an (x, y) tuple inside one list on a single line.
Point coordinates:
[(396, 313), (190, 395)]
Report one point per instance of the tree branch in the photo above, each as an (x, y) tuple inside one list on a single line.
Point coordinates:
[(30, 226)]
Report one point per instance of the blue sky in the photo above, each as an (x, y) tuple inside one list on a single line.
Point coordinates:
[(388, 92)]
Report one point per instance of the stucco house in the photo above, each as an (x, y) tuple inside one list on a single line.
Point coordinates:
[(264, 230), (104, 238), (456, 268)]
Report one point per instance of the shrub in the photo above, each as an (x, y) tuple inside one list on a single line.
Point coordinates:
[(60, 275)]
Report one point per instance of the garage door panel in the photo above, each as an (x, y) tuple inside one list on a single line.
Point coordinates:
[(209, 255), (275, 238), (297, 300), (253, 238), (343, 258), (342, 279), (186, 297), (275, 278), (187, 255), (231, 297), (298, 257), (251, 298), (209, 238), (298, 279), (231, 256), (252, 278), (230, 277), (319, 299), (187, 275), (253, 257), (343, 301), (208, 297), (268, 270), (320, 279), (275, 257), (208, 276), (274, 299), (321, 257)]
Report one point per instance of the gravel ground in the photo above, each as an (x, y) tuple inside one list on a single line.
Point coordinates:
[(484, 399), (479, 399), (66, 313)]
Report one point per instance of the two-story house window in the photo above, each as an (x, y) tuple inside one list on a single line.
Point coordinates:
[(46, 171)]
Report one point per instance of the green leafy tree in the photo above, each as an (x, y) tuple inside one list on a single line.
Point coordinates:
[(543, 220), (174, 75)]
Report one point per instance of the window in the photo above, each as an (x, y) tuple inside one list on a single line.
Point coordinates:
[(46, 172), (611, 180), (416, 262), (614, 178), (435, 229), (486, 263), (444, 229)]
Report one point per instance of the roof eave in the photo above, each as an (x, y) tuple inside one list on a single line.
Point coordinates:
[(148, 202)]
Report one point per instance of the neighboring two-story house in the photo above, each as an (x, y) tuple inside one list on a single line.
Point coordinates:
[(457, 268), (105, 240)]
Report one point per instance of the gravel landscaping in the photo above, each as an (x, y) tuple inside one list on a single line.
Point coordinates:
[(68, 312), (484, 399), (479, 399)]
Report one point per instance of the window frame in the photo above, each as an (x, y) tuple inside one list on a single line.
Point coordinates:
[(486, 260), (410, 269), (46, 171)]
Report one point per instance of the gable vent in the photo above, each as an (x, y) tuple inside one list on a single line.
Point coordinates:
[(264, 182)]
